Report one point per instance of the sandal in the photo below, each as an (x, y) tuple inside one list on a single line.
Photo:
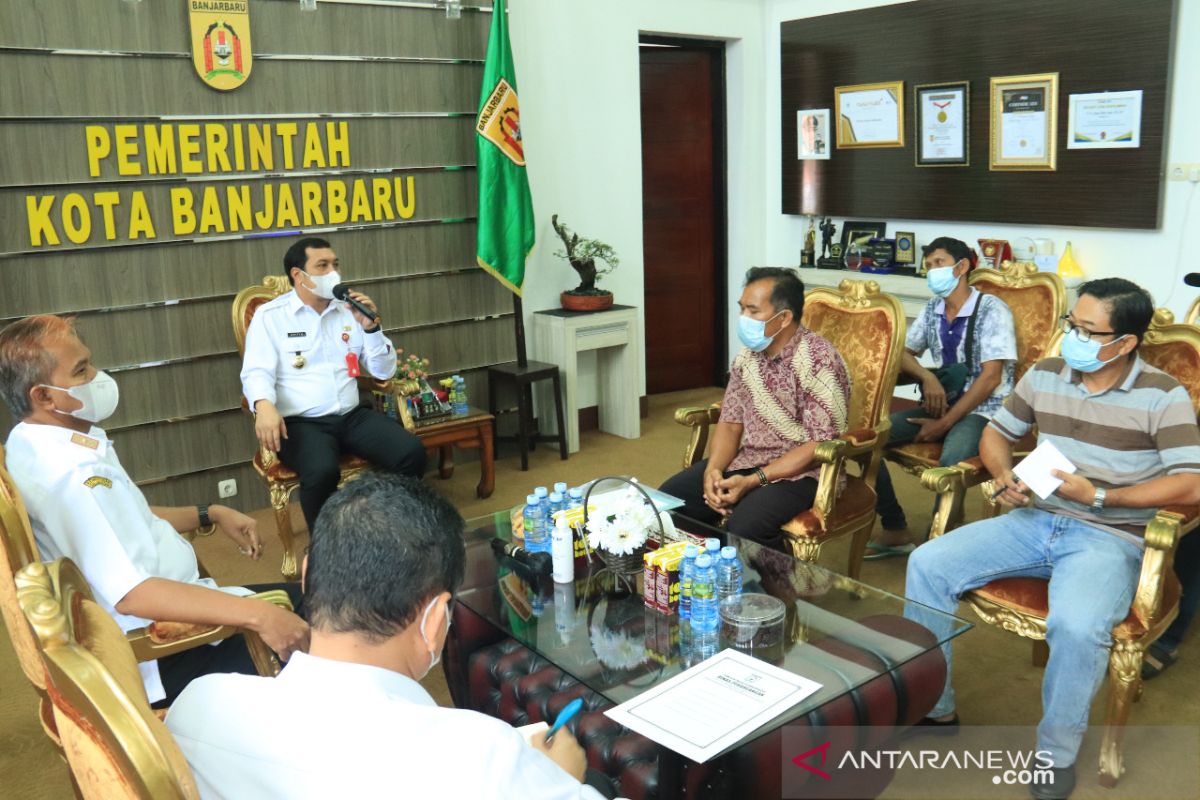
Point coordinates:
[(888, 551), (1156, 661)]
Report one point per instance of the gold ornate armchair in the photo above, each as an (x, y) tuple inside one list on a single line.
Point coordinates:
[(1021, 605), (18, 550), (1037, 300), (867, 328), (115, 744), (281, 480)]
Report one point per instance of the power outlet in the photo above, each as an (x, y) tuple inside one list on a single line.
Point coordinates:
[(227, 488), (1184, 172)]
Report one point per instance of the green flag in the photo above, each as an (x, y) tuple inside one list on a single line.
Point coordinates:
[(506, 228)]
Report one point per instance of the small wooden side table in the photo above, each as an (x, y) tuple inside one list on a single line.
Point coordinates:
[(474, 430)]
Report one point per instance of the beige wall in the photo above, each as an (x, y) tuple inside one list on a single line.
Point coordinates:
[(157, 313)]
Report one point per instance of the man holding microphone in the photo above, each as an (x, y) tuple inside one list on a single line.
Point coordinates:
[(304, 352)]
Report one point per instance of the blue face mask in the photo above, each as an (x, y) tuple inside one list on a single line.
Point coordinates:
[(942, 280), (753, 333), (1081, 355)]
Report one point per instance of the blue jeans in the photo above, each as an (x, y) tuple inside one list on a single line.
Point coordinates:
[(1092, 574), (961, 443), (1187, 568)]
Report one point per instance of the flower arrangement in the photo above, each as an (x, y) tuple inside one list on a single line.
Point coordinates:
[(411, 367), (623, 532)]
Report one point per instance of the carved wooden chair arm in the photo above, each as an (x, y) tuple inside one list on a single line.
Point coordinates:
[(1162, 534), (161, 638), (832, 456), (699, 420)]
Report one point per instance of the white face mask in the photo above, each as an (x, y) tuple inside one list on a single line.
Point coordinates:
[(435, 654), (322, 285), (99, 397)]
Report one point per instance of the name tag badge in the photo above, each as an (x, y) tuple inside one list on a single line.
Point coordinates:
[(297, 334), (352, 364)]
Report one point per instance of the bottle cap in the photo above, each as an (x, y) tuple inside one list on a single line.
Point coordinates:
[(560, 521), (691, 551), (556, 497), (561, 487), (704, 561), (531, 500), (576, 492), (713, 544), (729, 551), (541, 491)]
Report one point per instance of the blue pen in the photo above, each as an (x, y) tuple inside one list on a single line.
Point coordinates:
[(572, 708)]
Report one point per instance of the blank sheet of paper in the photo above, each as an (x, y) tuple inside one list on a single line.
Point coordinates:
[(1035, 469)]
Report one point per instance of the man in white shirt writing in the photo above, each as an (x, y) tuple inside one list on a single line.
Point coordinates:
[(379, 583), (304, 352)]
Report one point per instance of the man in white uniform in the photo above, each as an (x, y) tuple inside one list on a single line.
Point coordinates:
[(303, 353), (84, 506), (379, 580)]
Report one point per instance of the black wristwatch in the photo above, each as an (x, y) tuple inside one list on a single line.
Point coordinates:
[(205, 520), (376, 329)]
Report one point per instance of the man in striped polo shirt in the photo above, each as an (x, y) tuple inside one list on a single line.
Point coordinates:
[(1130, 430)]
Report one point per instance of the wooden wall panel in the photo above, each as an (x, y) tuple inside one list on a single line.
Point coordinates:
[(134, 87), (160, 311), (1094, 45), (153, 452), (277, 26), (64, 282), (56, 152), (201, 487)]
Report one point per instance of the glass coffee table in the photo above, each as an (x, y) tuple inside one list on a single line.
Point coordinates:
[(838, 632)]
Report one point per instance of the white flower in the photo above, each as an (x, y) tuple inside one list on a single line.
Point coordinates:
[(623, 532)]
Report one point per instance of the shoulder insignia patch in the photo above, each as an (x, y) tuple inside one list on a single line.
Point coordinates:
[(96, 480), (84, 441)]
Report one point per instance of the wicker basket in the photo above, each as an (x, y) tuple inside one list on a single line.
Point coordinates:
[(629, 564)]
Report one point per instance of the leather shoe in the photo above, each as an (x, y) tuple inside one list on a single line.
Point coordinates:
[(1059, 787)]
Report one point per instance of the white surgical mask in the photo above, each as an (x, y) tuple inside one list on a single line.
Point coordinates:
[(435, 654), (99, 397), (322, 285)]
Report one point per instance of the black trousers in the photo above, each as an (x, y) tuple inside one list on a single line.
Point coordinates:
[(231, 655), (315, 444), (759, 515)]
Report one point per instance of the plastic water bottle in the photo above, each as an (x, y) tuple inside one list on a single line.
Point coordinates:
[(687, 569), (543, 496), (575, 498), (536, 540), (558, 502), (459, 396), (729, 574), (704, 596), (561, 488), (712, 549)]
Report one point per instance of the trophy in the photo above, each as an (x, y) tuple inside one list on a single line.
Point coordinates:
[(808, 255), (995, 252), (831, 254)]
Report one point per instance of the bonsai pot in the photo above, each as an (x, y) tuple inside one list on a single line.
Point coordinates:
[(586, 302)]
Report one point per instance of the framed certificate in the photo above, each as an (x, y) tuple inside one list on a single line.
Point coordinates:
[(941, 124), (812, 132), (1104, 120), (870, 114), (1024, 122)]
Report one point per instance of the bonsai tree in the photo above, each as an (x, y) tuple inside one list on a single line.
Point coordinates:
[(582, 255)]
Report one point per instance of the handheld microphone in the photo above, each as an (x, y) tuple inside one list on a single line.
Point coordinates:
[(342, 292), (1192, 279), (539, 564)]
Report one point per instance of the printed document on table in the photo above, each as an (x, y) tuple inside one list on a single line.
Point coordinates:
[(1035, 469), (713, 705)]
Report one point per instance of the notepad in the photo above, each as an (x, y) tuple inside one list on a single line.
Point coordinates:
[(1035, 469)]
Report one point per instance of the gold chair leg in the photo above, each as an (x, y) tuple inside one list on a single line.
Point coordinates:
[(1041, 652), (858, 549), (948, 512), (280, 495), (264, 658), (1125, 675)]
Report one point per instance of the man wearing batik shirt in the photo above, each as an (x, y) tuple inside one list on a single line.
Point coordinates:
[(788, 390)]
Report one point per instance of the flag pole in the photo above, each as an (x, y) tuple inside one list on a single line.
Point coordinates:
[(519, 324)]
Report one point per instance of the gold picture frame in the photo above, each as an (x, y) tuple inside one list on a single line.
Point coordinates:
[(1023, 134), (870, 114)]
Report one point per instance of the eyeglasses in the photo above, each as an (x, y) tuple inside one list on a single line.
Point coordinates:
[(1082, 334)]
